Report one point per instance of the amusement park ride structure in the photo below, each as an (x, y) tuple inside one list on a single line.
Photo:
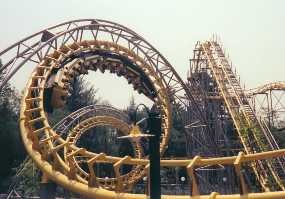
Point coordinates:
[(268, 102), (219, 121)]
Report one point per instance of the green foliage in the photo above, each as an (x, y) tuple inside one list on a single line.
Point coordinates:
[(279, 134), (12, 151), (252, 133), (11, 148), (177, 144), (82, 94), (280, 137), (178, 138), (28, 179), (57, 115)]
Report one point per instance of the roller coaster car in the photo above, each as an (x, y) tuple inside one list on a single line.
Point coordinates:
[(59, 91), (61, 84), (56, 93), (80, 68), (121, 71)]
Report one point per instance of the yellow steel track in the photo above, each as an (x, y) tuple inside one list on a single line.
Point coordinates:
[(47, 142), (267, 87), (44, 144), (253, 133)]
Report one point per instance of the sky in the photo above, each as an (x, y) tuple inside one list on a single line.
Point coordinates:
[(252, 33)]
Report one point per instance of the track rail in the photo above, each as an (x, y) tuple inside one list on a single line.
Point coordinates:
[(254, 134), (104, 194), (32, 49), (268, 102), (67, 123), (75, 40), (267, 87)]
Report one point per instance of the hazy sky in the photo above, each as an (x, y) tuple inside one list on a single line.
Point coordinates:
[(252, 32)]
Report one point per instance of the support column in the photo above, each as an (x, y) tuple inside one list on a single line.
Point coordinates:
[(154, 126)]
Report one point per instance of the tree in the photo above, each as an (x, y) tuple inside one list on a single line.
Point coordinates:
[(82, 94), (11, 148), (132, 104), (179, 140)]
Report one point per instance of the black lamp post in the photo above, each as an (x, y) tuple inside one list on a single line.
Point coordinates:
[(154, 127), (154, 130)]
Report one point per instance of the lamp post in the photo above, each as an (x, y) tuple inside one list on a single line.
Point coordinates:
[(154, 127), (154, 130)]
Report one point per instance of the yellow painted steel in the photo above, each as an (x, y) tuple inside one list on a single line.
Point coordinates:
[(119, 182), (43, 144), (239, 113), (267, 87), (100, 193), (37, 126)]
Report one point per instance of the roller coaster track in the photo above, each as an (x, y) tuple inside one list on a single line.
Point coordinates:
[(267, 87), (259, 138), (268, 102), (67, 50), (67, 123), (34, 48), (56, 40)]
